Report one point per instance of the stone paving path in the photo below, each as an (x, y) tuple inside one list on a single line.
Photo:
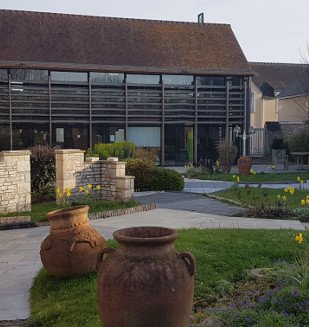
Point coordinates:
[(190, 202)]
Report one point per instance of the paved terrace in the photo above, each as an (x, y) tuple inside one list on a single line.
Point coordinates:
[(19, 249)]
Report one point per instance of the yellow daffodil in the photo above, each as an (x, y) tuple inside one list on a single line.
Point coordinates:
[(58, 190), (81, 189), (98, 187), (292, 190), (217, 163), (302, 201), (279, 196), (299, 238), (67, 190), (298, 178), (87, 192), (238, 179), (68, 194), (234, 176), (89, 186), (273, 167), (283, 198), (286, 189), (307, 198), (301, 181)]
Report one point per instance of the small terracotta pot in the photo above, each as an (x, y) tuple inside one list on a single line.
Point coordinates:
[(145, 282), (73, 246), (244, 165)]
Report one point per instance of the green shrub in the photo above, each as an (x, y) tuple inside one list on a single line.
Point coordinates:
[(43, 172), (299, 142), (163, 179), (121, 150), (141, 169), (149, 177)]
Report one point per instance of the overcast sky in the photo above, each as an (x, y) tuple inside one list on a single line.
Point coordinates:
[(267, 30)]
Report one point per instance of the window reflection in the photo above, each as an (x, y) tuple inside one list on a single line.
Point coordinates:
[(211, 80), (143, 79), (69, 77), (29, 75), (101, 78), (177, 79)]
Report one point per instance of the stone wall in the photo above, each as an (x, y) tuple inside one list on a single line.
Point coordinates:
[(106, 177), (15, 181)]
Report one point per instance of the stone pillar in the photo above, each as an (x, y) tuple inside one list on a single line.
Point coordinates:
[(121, 186), (68, 162), (15, 181)]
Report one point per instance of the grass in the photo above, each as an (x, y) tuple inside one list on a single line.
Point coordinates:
[(252, 196), (257, 178), (223, 257), (39, 210)]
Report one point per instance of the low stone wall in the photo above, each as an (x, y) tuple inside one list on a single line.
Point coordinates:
[(106, 177), (15, 181)]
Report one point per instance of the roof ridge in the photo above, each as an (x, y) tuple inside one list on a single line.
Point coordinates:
[(113, 18), (277, 63)]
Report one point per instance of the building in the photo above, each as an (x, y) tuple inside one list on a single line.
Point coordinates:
[(73, 81), (279, 94)]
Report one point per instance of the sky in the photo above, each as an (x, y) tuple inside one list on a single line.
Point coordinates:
[(267, 30)]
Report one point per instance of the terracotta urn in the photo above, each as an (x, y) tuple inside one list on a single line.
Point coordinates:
[(145, 282), (244, 165), (73, 246)]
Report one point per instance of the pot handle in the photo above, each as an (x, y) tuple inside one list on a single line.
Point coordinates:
[(105, 253), (189, 260)]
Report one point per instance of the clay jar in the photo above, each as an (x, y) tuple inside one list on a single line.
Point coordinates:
[(145, 282), (244, 165), (73, 246)]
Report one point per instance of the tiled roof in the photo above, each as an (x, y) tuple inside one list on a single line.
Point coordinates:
[(280, 76), (48, 40)]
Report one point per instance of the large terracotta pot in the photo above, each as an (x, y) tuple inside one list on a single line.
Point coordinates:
[(73, 246), (244, 165), (145, 282)]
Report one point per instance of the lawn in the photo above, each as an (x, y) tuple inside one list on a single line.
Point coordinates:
[(257, 178), (223, 260), (261, 198), (39, 210)]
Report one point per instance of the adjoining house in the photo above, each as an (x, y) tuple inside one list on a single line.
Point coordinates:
[(279, 100), (74, 80)]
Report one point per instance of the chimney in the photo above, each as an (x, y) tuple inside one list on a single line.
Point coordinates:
[(200, 18)]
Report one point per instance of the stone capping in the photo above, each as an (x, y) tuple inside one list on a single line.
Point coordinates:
[(15, 153), (69, 151), (14, 220)]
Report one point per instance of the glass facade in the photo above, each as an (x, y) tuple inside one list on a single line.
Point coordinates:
[(182, 115)]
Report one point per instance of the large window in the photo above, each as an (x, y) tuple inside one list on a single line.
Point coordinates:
[(69, 77), (102, 78), (211, 80), (143, 79), (178, 79), (29, 75), (144, 136)]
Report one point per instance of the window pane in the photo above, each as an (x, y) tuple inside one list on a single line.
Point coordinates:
[(69, 77), (3, 75), (102, 78), (177, 79), (236, 81), (211, 80), (143, 79), (144, 136), (29, 75)]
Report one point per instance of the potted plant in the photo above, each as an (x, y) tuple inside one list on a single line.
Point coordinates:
[(244, 164)]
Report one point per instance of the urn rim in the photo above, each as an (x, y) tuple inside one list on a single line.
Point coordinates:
[(66, 212), (145, 235)]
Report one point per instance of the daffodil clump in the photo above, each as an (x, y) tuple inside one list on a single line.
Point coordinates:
[(85, 194), (63, 197), (236, 178), (252, 172)]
